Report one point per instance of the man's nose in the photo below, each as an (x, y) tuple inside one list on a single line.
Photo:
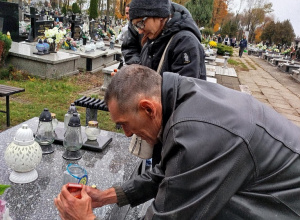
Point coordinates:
[(127, 132)]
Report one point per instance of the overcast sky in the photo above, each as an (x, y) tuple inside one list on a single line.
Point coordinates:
[(283, 9)]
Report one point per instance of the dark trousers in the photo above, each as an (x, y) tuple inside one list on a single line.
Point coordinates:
[(241, 51)]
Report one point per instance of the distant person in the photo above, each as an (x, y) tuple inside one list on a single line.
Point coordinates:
[(124, 29), (233, 42), (243, 46), (219, 39), (226, 40), (292, 53), (112, 42), (131, 46)]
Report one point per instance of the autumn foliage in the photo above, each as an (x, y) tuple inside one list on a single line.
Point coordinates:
[(120, 8), (258, 33), (220, 10)]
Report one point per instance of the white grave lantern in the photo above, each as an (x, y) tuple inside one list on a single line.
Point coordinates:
[(23, 155)]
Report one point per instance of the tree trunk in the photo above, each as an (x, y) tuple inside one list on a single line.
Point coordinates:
[(107, 11)]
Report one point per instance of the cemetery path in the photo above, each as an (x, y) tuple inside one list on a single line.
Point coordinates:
[(271, 86)]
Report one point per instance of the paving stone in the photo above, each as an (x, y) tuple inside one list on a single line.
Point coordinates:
[(263, 101), (294, 104), (277, 105), (268, 91), (254, 88), (245, 89), (287, 111), (278, 101), (296, 123), (292, 117), (275, 97), (289, 95), (263, 84), (259, 96)]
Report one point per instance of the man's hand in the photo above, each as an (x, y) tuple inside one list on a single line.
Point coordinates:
[(101, 198), (71, 208)]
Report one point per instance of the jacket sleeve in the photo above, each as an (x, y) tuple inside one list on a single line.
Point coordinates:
[(186, 56), (143, 187), (202, 172), (131, 46)]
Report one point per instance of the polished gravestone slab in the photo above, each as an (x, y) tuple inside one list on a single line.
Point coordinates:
[(53, 65), (288, 67), (225, 71), (277, 61), (113, 165), (92, 61), (95, 60), (272, 56), (9, 19), (296, 74), (255, 52)]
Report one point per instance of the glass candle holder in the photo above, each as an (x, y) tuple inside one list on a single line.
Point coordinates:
[(45, 135), (73, 139), (92, 131), (75, 174), (72, 109)]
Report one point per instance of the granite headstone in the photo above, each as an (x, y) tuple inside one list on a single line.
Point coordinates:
[(9, 15)]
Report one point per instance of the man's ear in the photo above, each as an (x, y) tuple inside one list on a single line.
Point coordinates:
[(148, 107)]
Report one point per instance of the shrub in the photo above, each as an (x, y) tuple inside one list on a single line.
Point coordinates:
[(5, 44), (4, 73), (93, 9), (75, 8), (223, 48), (11, 73)]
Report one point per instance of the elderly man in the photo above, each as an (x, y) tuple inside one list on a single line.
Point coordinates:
[(225, 155)]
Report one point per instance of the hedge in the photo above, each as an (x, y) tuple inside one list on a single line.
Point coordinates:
[(223, 48)]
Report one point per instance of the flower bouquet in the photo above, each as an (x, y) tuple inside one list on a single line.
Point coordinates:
[(54, 37), (110, 32), (4, 212), (212, 44), (101, 33), (69, 44), (287, 51)]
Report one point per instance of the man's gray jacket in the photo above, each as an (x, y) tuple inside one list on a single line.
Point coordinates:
[(225, 155)]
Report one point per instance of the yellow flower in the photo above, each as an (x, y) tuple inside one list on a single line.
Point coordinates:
[(212, 44)]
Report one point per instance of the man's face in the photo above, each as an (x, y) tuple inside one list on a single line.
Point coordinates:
[(139, 123), (127, 13)]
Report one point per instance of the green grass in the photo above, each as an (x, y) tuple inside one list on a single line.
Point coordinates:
[(56, 95), (251, 65), (233, 62), (238, 64)]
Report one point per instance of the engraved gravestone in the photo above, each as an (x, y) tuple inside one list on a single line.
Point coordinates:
[(41, 26)]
